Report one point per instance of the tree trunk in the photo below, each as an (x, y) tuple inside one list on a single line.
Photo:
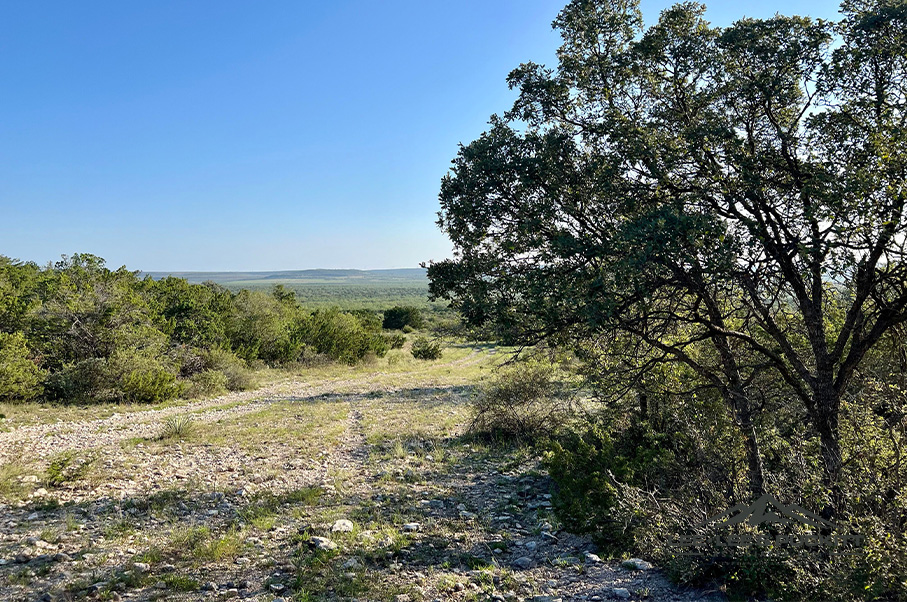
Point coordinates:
[(743, 416), (754, 463), (755, 475), (827, 410), (643, 399)]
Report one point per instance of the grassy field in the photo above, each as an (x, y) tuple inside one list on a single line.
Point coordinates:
[(375, 290), (376, 297)]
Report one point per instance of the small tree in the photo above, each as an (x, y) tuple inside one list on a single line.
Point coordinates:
[(400, 316), (425, 349)]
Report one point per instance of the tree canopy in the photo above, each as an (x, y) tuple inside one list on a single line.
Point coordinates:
[(727, 198)]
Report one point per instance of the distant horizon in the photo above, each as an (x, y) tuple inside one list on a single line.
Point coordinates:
[(283, 271), (405, 277), (115, 265), (291, 271)]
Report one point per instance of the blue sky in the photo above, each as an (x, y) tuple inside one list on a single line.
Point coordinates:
[(202, 135)]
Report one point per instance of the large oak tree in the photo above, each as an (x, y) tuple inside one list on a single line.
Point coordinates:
[(732, 198)]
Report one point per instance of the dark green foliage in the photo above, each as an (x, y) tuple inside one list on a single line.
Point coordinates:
[(193, 314), (597, 469), (396, 341), (341, 336), (424, 348), (370, 320), (79, 382), (588, 475), (403, 315), (149, 385), (207, 383), (263, 327), (20, 285), (236, 373)]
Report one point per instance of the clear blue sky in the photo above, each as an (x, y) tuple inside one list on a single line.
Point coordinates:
[(225, 135)]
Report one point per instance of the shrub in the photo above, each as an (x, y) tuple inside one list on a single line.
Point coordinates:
[(20, 377), (342, 336), (140, 375), (396, 341), (80, 382), (130, 375), (261, 327), (207, 383), (67, 467), (524, 402), (401, 316), (424, 349), (153, 385), (370, 320), (238, 376), (408, 329), (177, 427), (188, 360), (593, 494)]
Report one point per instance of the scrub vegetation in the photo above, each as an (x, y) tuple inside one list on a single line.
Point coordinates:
[(78, 332)]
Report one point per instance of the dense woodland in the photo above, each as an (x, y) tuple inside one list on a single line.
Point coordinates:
[(77, 331)]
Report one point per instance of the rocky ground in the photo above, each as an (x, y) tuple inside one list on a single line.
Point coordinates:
[(353, 485)]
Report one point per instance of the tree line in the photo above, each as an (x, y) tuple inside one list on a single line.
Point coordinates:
[(76, 331)]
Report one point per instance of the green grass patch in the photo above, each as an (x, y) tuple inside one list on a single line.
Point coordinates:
[(180, 583), (68, 467), (201, 544)]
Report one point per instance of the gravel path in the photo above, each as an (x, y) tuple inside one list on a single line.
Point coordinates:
[(431, 516)]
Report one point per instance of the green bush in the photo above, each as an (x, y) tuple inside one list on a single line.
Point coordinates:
[(207, 383), (588, 475), (401, 316), (20, 377), (142, 375), (524, 401), (85, 381), (238, 376), (188, 360), (425, 349), (129, 376), (605, 478), (262, 327), (370, 320), (396, 341), (342, 336), (191, 314), (151, 385)]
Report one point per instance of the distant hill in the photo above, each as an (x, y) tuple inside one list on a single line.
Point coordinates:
[(400, 276)]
